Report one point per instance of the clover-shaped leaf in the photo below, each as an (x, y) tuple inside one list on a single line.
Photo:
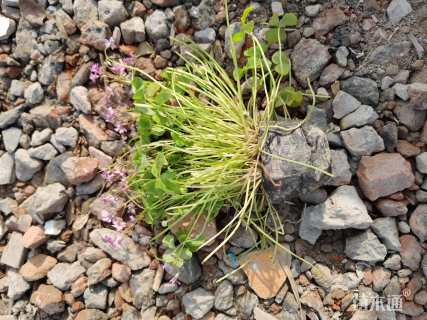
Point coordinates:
[(288, 20), (282, 63)]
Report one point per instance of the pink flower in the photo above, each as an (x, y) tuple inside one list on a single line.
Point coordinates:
[(112, 241), (95, 72), (119, 69), (120, 129), (109, 198), (106, 216), (129, 60), (118, 224), (174, 279), (108, 176), (109, 43), (110, 114)]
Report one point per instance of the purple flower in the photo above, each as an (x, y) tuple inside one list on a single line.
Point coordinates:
[(174, 279), (118, 224), (106, 216), (110, 114), (119, 69), (112, 241), (95, 72), (108, 176), (109, 43), (109, 198), (120, 129), (129, 60)]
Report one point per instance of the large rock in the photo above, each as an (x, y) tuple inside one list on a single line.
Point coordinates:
[(85, 11), (410, 117), (418, 222), (133, 30), (126, 251), (362, 141), (363, 89), (342, 210), (308, 60), (79, 99), (410, 251), (78, 170), (157, 26), (37, 267), (197, 303), (365, 247), (386, 229), (397, 10), (17, 285), (48, 299), (45, 202), (362, 116), (384, 174), (25, 166), (293, 161), (11, 138), (63, 275)]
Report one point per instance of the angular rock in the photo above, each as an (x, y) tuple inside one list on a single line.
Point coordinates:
[(45, 202), (397, 10), (386, 230), (141, 288), (343, 104), (340, 168), (7, 27), (94, 34), (157, 26), (78, 170), (328, 20), (37, 267), (189, 273), (362, 116), (54, 227), (40, 137), (363, 89), (418, 222), (91, 314), (421, 161), (133, 30), (79, 99), (34, 93), (120, 272), (384, 174), (7, 172), (265, 273), (418, 94), (48, 299), (112, 12), (43, 152), (11, 138), (25, 166), (409, 117), (14, 253), (224, 295), (362, 141), (207, 35), (126, 252), (62, 275), (198, 302), (99, 271), (365, 247), (7, 205), (17, 285), (308, 60), (84, 11), (96, 297), (66, 136), (34, 237), (203, 15), (391, 208), (7, 118), (410, 251), (93, 133)]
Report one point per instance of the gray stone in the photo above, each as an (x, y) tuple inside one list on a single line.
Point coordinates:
[(79, 99), (11, 138), (141, 287), (418, 93), (112, 12), (96, 297), (43, 152), (391, 208), (127, 251), (14, 253), (189, 273), (157, 26), (203, 15), (46, 202), (312, 10), (386, 230), (25, 166), (99, 271), (90, 187), (421, 161), (362, 141), (17, 285), (408, 116), (49, 70), (363, 89), (401, 91), (9, 117), (34, 93), (84, 11), (424, 265), (386, 82), (25, 43), (391, 52), (7, 172), (133, 30), (54, 227), (7, 205), (362, 116), (403, 227), (340, 168), (95, 34), (54, 172), (343, 104), (207, 35), (244, 238), (397, 10), (40, 137), (277, 8), (7, 27), (246, 303), (330, 74), (66, 136), (224, 296), (198, 302), (308, 60), (62, 275), (365, 247), (17, 88), (393, 263), (418, 222), (306, 145), (341, 55)]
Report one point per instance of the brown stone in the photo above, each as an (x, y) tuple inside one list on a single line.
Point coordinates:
[(34, 237), (49, 299), (384, 174), (418, 222), (413, 286), (121, 272), (392, 208), (37, 267), (265, 270), (79, 286), (91, 314), (199, 227), (79, 169), (63, 85), (410, 251), (412, 309), (93, 133), (328, 20), (99, 271), (407, 149)]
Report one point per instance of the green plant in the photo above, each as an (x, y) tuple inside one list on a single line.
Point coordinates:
[(201, 138)]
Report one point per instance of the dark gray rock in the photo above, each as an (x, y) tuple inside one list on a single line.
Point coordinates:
[(203, 15), (386, 230), (390, 53), (197, 303), (362, 141), (365, 247), (408, 116), (224, 296), (62, 275), (133, 30), (207, 35), (189, 273), (157, 26), (340, 169), (363, 89), (343, 104), (112, 12), (362, 116)]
